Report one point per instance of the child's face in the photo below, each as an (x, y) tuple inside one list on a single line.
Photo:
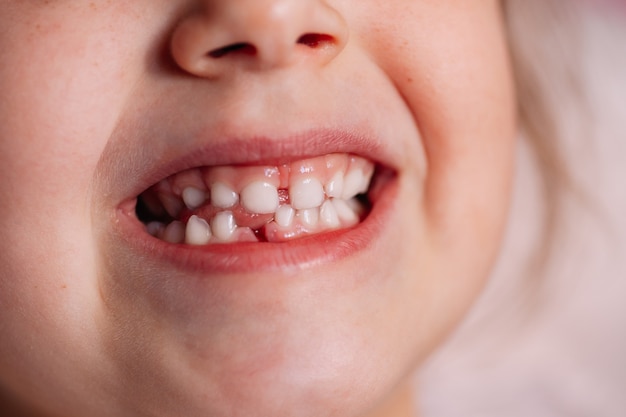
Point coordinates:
[(325, 313)]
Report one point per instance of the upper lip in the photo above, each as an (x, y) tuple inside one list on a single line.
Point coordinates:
[(260, 150)]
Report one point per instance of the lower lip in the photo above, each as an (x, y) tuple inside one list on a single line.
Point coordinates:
[(257, 257)]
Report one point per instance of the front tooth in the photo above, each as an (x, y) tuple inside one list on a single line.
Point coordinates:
[(334, 187), (328, 214), (197, 232), (223, 225), (222, 196), (284, 215), (260, 197), (174, 232), (193, 197), (353, 184), (310, 216), (344, 211), (306, 193)]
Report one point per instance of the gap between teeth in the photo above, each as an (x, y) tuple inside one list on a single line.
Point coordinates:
[(260, 197)]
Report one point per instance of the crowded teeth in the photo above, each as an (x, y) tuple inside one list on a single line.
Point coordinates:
[(197, 232), (284, 215), (174, 232), (328, 215), (193, 197), (222, 196), (224, 226), (306, 193), (260, 197)]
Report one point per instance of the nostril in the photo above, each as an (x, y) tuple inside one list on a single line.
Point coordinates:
[(316, 40), (240, 48), (312, 40)]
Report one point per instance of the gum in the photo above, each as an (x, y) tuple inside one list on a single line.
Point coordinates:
[(237, 177)]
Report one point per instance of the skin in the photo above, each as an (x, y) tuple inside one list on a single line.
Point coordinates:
[(89, 328)]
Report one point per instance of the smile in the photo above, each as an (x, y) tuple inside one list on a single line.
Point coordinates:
[(287, 212), (228, 204)]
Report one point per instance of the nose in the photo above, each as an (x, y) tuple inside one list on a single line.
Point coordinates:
[(257, 35)]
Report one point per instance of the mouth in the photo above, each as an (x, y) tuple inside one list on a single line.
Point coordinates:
[(287, 213)]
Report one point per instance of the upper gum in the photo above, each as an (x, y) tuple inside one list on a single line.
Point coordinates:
[(237, 177)]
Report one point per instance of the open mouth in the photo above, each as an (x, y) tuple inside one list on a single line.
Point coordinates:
[(219, 205)]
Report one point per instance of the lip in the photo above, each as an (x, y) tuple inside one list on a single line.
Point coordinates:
[(261, 150), (248, 257)]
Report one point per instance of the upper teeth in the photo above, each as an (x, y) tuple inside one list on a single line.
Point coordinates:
[(306, 193), (222, 196), (260, 197), (193, 197), (334, 187), (352, 184)]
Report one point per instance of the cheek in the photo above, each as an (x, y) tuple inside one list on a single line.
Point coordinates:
[(455, 76), (450, 64), (63, 91), (61, 98)]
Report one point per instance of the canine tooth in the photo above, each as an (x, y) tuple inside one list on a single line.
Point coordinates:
[(260, 197), (155, 228), (222, 196), (328, 214), (223, 225), (306, 193), (352, 184), (193, 197), (197, 232), (174, 232), (284, 215), (310, 216), (344, 211), (334, 187)]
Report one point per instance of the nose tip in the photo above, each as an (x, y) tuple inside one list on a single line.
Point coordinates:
[(257, 35)]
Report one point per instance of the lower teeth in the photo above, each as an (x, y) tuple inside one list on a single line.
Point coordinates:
[(287, 224)]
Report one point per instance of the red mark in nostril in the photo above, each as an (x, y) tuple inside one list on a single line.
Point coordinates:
[(315, 40)]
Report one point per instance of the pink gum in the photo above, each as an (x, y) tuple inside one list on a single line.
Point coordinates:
[(322, 168)]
